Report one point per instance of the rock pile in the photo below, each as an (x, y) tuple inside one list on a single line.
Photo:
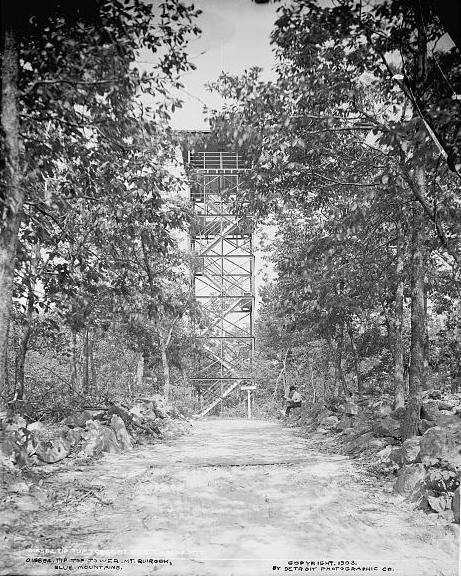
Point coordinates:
[(426, 467), (428, 471), (88, 433)]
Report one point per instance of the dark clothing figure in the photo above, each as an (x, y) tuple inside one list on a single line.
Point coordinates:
[(291, 405), (293, 400)]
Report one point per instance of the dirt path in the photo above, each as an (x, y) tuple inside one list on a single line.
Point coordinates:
[(234, 497)]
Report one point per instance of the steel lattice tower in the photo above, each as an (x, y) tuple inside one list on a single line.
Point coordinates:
[(222, 249)]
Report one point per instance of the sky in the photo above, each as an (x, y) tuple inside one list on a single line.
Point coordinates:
[(235, 37)]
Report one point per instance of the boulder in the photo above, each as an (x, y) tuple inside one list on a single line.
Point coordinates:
[(97, 414), (387, 427), (362, 426), (436, 443), (446, 404), (335, 405), (329, 422), (455, 505), (410, 479), (385, 410), (62, 431), (384, 454), (158, 404), (454, 429), (344, 423), (36, 427), (136, 411), (360, 443), (18, 442), (410, 450), (395, 455), (434, 394), (398, 414), (9, 447), (430, 411), (78, 419), (123, 438), (98, 438), (377, 443), (161, 406), (322, 413), (110, 441), (13, 423), (424, 425), (447, 419), (53, 450), (390, 440), (74, 435)]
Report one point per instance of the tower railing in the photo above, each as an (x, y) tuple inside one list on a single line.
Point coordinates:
[(222, 248)]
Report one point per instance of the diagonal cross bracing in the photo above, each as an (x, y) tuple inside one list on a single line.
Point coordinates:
[(222, 247)]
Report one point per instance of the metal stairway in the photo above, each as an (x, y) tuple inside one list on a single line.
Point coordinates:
[(214, 403), (222, 249)]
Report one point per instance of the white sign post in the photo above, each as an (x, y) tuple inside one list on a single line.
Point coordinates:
[(248, 389)]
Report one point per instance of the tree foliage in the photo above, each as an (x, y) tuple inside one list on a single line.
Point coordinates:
[(355, 150), (88, 219)]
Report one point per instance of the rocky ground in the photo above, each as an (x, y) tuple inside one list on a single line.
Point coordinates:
[(125, 489), (233, 497), (424, 470), (87, 433), (47, 466)]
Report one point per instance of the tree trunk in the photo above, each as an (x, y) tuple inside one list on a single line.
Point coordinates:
[(11, 193), (166, 371), (355, 358), (326, 374), (397, 326), (164, 338), (21, 357), (74, 362), (311, 374), (4, 387), (93, 372), (28, 321), (406, 376), (86, 363), (426, 334), (337, 353), (339, 365), (418, 318), (24, 342), (139, 372), (284, 374)]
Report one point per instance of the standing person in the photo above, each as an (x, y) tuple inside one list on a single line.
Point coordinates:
[(294, 400)]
